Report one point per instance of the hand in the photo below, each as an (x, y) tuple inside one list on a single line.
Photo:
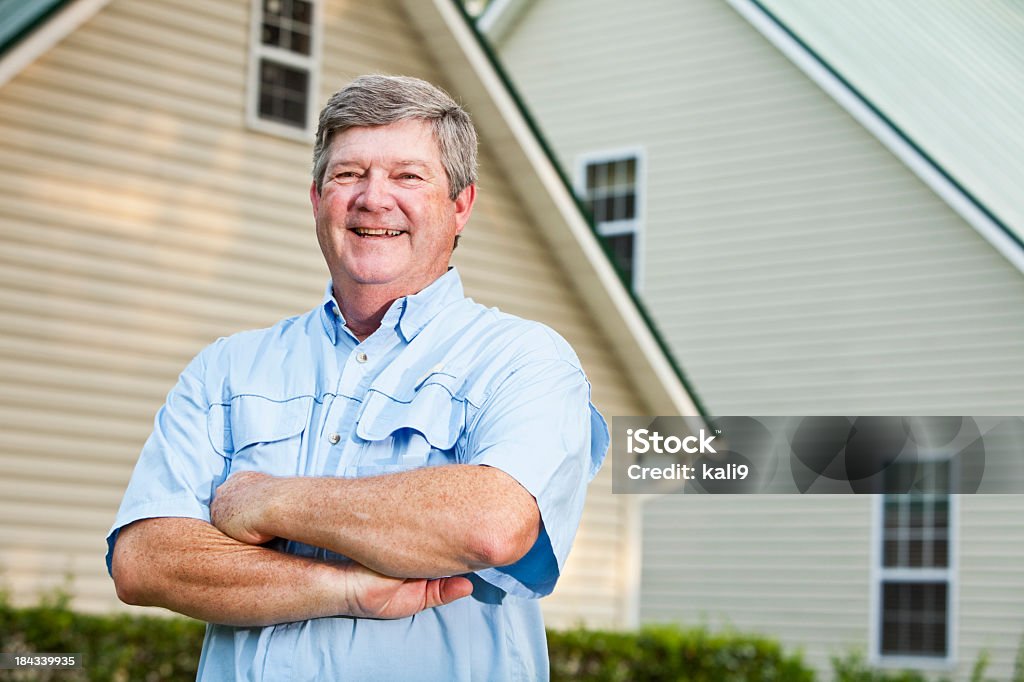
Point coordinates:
[(238, 504), (374, 595)]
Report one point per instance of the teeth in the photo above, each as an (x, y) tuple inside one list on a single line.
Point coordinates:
[(373, 232)]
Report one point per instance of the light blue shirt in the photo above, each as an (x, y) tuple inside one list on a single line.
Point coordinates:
[(443, 380)]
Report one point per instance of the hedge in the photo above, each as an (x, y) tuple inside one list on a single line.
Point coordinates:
[(129, 647), (119, 648), (669, 653)]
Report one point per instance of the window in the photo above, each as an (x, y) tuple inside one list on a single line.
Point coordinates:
[(610, 187), (282, 68), (913, 618)]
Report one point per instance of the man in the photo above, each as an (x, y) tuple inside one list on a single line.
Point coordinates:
[(382, 487)]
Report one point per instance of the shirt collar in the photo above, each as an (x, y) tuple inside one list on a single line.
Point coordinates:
[(420, 308), (411, 313)]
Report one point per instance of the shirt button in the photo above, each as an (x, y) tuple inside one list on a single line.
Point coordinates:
[(362, 357), (334, 438), (334, 309)]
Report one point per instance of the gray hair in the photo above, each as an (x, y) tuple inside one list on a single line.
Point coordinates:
[(381, 100)]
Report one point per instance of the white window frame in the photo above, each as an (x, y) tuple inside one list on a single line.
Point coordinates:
[(615, 227), (881, 574), (309, 63)]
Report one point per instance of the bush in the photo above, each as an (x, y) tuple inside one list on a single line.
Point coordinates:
[(128, 647), (669, 653), (118, 648), (853, 668)]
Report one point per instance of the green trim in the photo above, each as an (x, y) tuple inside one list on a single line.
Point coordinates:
[(19, 18), (535, 129), (889, 122)]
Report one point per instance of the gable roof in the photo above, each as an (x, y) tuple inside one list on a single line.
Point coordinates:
[(934, 81), (526, 161), (947, 73)]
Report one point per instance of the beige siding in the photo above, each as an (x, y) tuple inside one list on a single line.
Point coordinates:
[(140, 220), (795, 267)]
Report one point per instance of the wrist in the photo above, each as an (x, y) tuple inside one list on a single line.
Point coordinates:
[(332, 584)]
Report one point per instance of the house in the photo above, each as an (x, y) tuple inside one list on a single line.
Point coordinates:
[(818, 205), (154, 197)]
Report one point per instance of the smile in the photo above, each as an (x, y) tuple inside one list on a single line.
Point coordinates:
[(375, 232)]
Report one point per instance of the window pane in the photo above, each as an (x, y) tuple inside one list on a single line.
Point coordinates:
[(302, 12), (892, 553), (914, 618), (271, 34), (621, 246), (300, 43), (283, 93), (287, 24), (892, 513)]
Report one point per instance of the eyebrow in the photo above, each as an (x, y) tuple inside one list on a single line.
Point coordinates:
[(413, 163)]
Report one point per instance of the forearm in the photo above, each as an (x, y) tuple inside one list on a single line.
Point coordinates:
[(422, 523), (190, 567)]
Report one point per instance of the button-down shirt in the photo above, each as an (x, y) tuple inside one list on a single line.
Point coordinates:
[(444, 380)]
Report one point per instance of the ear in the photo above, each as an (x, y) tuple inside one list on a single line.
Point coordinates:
[(314, 198), (464, 206)]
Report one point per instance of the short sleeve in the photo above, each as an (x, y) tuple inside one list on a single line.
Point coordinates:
[(179, 467), (540, 428)]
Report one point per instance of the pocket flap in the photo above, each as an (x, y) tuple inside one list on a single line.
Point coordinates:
[(255, 419), (432, 411)]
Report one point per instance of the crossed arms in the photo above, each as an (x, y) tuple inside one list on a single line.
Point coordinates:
[(402, 531)]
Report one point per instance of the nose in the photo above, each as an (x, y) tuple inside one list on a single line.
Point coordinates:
[(375, 194)]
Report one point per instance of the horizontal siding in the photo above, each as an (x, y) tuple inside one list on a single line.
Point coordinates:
[(991, 580), (794, 266), (793, 567), (792, 263), (140, 220)]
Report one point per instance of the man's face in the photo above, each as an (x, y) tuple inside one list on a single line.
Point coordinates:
[(383, 217)]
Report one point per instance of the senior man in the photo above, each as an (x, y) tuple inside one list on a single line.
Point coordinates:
[(380, 488)]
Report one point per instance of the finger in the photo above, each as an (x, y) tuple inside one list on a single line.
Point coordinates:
[(450, 589)]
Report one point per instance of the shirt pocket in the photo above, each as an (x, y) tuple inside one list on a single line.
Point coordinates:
[(268, 435), (419, 427)]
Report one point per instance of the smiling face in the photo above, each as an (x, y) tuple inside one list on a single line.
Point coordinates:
[(384, 220)]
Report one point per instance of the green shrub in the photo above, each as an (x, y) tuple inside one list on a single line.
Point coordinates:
[(114, 648), (126, 648), (669, 653), (853, 668), (1018, 662)]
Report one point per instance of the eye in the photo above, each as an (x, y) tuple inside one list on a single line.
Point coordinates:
[(410, 176)]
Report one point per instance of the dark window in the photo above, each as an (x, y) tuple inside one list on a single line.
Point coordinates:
[(914, 586), (914, 618), (610, 194), (284, 92), (284, 62), (288, 24)]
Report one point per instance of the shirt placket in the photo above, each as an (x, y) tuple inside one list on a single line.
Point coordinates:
[(365, 361)]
